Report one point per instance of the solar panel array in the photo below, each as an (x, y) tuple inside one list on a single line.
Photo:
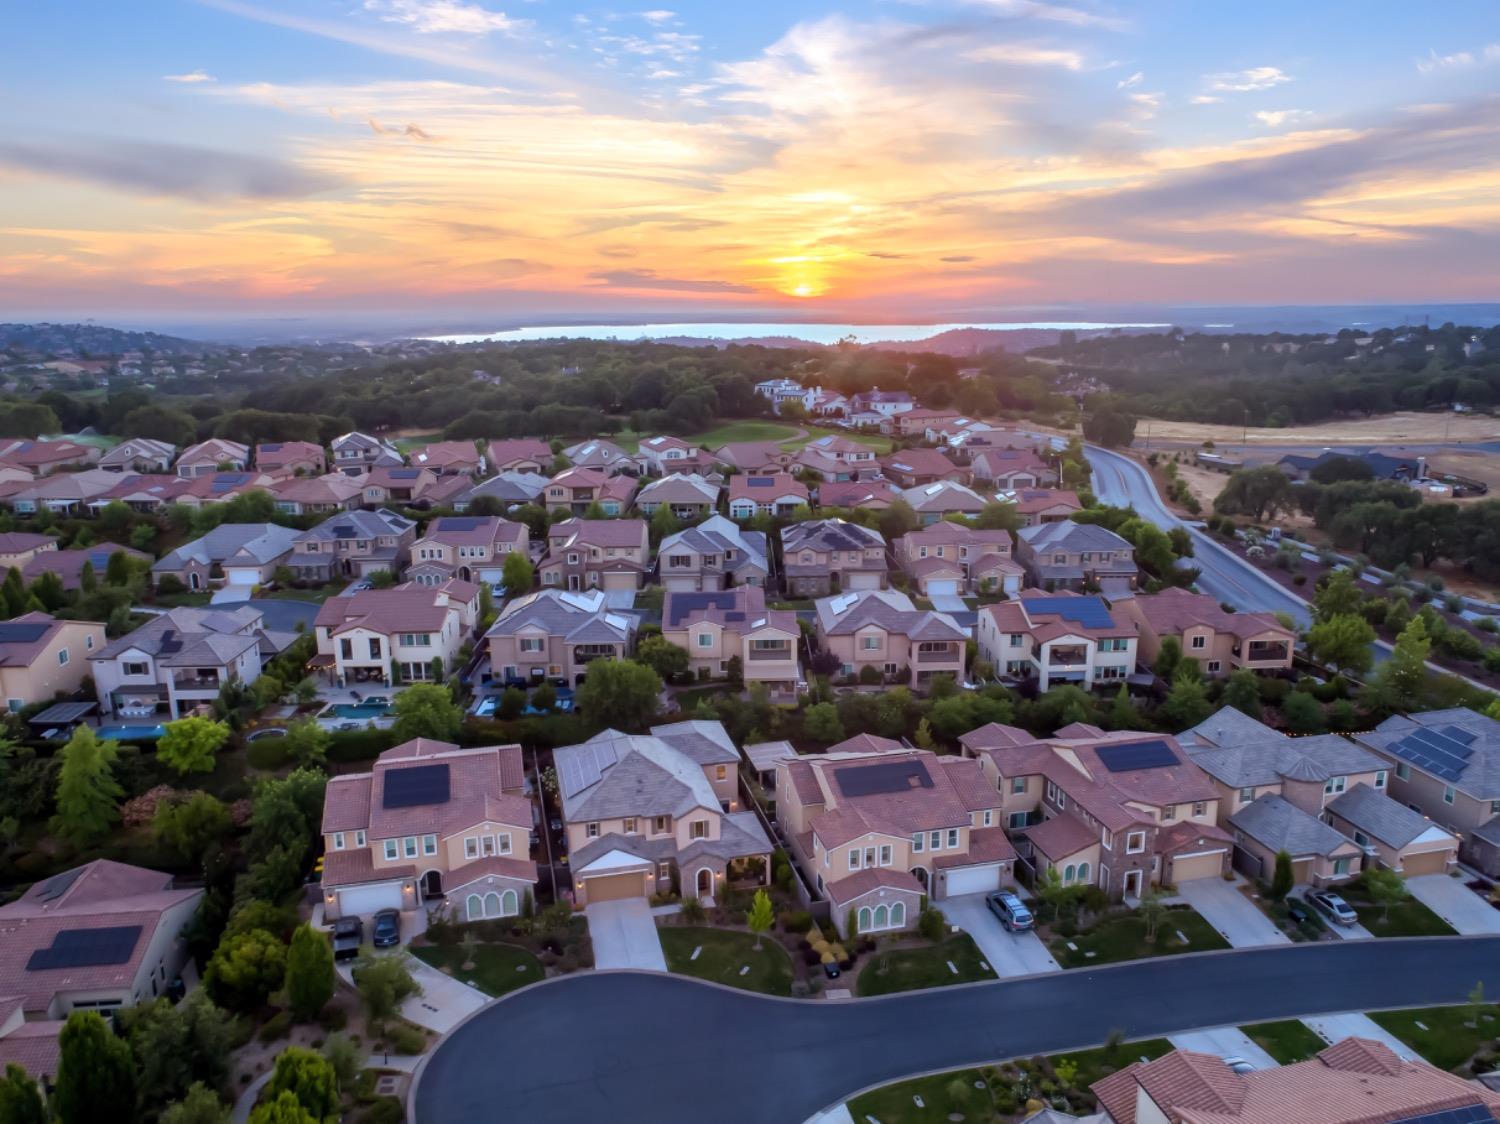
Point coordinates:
[(761, 482), (1127, 758), (28, 632), (343, 532), (1467, 1114), (170, 642), (405, 473), (685, 604), (415, 785), (883, 778), (1090, 612), (56, 886), (1443, 753), (86, 948), (274, 448)]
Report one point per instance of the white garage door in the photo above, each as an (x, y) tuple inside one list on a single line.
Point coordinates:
[(865, 580), (971, 880), (939, 587), (364, 900)]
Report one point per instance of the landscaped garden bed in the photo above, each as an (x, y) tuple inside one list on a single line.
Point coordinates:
[(1405, 918), (494, 970), (556, 938)]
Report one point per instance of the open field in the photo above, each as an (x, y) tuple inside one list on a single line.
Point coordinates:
[(1476, 466), (1411, 428)]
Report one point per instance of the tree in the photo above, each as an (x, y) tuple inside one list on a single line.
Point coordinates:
[(898, 519), (1257, 492), (245, 968), (20, 1099), (1342, 642), (1187, 702), (620, 693), (189, 744), (1106, 427), (384, 983), (821, 722), (1122, 712), (201, 1105), (761, 916), (1242, 691), (1168, 657), (1337, 596), (117, 569), (307, 742), (1152, 909), (1303, 713), (1385, 888), (1399, 682), (517, 573), (176, 1045), (309, 973), (426, 710), (189, 827), (308, 1077), (87, 793), (1282, 880), (664, 522), (95, 1072), (344, 1055), (665, 658), (285, 1108)]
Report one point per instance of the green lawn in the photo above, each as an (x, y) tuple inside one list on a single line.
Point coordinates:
[(1443, 1037), (498, 968), (1409, 918), (877, 441), (801, 603), (1123, 937), (961, 1094), (1288, 1041), (909, 969), (723, 953), (1104, 1060), (317, 596), (690, 698), (749, 429), (178, 600)]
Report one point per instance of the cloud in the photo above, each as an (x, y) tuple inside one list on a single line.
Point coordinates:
[(154, 168), (1206, 99), (1028, 54), (192, 76), (956, 258), (648, 279), (884, 254), (443, 17), (1128, 83), (1459, 60), (1052, 13), (658, 15), (1245, 81), (1275, 118), (415, 132)]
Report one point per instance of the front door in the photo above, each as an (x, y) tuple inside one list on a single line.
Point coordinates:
[(1133, 883), (432, 884), (705, 883)]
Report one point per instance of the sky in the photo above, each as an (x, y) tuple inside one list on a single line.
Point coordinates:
[(884, 159)]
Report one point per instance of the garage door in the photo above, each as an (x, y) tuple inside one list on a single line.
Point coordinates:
[(862, 581), (1188, 867), (680, 584), (621, 581), (1429, 862), (938, 587), (971, 880), (614, 887), (365, 900)]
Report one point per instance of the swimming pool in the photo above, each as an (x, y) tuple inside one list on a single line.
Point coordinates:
[(370, 708), (130, 733)]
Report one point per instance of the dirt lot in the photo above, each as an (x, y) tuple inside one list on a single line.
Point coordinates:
[(1204, 483), (1386, 428), (1476, 466)]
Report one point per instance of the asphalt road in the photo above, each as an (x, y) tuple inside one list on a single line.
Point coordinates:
[(628, 1047)]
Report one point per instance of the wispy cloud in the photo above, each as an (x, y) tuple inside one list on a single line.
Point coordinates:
[(443, 17), (191, 77), (1028, 54), (1130, 83), (1206, 99), (648, 279), (1459, 60), (658, 15), (1053, 13), (1246, 81), (1275, 118)]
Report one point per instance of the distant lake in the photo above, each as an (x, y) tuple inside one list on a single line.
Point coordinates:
[(813, 333)]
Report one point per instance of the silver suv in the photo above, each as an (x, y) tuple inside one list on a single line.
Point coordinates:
[(1011, 911)]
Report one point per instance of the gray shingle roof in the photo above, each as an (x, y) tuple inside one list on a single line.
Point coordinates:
[(716, 534), (565, 614), (1070, 536), (245, 542), (707, 743), (1380, 817), (887, 609), (1254, 754), (1282, 826), (359, 524), (613, 775), (829, 534)]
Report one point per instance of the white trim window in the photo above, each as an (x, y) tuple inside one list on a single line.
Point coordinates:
[(887, 856), (1380, 780), (1135, 842), (409, 846), (1450, 794), (359, 838), (338, 840), (1018, 786), (471, 846), (918, 842), (854, 858), (1334, 785), (392, 850), (988, 818), (429, 844), (953, 839), (934, 840)]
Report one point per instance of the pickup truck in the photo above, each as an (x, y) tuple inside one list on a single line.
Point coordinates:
[(348, 935)]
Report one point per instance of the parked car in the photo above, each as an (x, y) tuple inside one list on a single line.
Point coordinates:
[(1335, 908), (386, 930), (1011, 910), (1298, 911), (348, 935)]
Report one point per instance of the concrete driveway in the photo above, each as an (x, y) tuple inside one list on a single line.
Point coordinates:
[(948, 603), (444, 1002), (624, 935), (1010, 954), (1335, 1028), (1224, 1042), (1455, 903), (1235, 916), (1355, 932)]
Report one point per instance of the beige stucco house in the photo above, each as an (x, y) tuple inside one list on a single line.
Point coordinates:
[(553, 634), (714, 554), (1220, 641), (42, 657), (716, 627), (953, 558), (884, 630), (821, 556), (584, 554), (1058, 638), (361, 637)]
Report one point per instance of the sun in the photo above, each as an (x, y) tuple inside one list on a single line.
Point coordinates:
[(803, 290)]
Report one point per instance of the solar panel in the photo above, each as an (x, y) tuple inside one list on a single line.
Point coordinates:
[(28, 632), (1467, 1114), (170, 642), (760, 482), (1443, 743), (86, 948), (1127, 758), (1432, 752), (343, 532), (1459, 734), (416, 785), (56, 886), (276, 448), (685, 604), (883, 778), (1090, 612), (405, 473)]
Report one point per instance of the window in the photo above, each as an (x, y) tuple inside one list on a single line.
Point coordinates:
[(988, 819), (1403, 771), (705, 639), (1495, 807), (698, 829), (1340, 866), (359, 838), (62, 656), (409, 846), (1199, 807), (1247, 795), (429, 844), (1135, 842), (629, 825), (1070, 872), (935, 841), (917, 842), (471, 847), (132, 669), (88, 643), (1018, 785), (531, 643), (1448, 794), (1334, 785), (1198, 642), (952, 838), (391, 851), (869, 643), (592, 830), (1083, 872), (1107, 838), (1214, 667), (663, 870), (885, 854), (504, 840), (661, 824), (1017, 821), (854, 857), (1017, 639), (1169, 813), (1380, 779), (338, 840), (721, 772)]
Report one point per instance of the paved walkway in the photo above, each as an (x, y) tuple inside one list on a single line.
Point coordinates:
[(248, 1098), (1335, 1028), (948, 603), (624, 936), (1224, 1042), (1235, 916), (1010, 954), (1455, 903), (444, 1003)]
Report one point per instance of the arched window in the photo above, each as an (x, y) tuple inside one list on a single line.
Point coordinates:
[(864, 920), (492, 904), (882, 917), (474, 907), (1070, 872), (1083, 872), (898, 915), (509, 904)]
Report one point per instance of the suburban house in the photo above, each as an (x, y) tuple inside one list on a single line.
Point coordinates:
[(780, 391), (42, 657), (951, 558), (214, 455), (610, 554), (215, 487), (178, 661), (317, 495), (139, 454), (65, 493), (152, 492), (879, 832), (763, 457), (450, 458), (1354, 1081), (354, 454), (1058, 638), (367, 635), (823, 403), (821, 556), (910, 468), (606, 456), (658, 813), (688, 496), (882, 629), (353, 544), (553, 634), (510, 489), (472, 548), (1220, 641), (98, 937), (577, 489), (519, 454), (1381, 465), (918, 420), (714, 554), (1320, 783), (876, 495), (886, 403), (1122, 810), (430, 822), (68, 564), (777, 493), (43, 458), (835, 458), (722, 625), (1070, 555), (241, 554), (937, 501), (1011, 469), (283, 459), (1446, 765), (384, 484), (668, 456), (19, 547), (1041, 505)]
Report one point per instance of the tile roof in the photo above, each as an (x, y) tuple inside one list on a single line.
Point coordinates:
[(515, 449), (358, 524), (1060, 836), (559, 613), (944, 496), (510, 487), (896, 794), (1073, 537), (286, 452), (1279, 825), (1029, 501), (214, 451), (844, 890), (829, 534), (994, 735), (766, 487), (24, 638), (688, 488), (887, 609), (474, 530), (1047, 616), (1479, 773), (850, 494), (181, 637), (333, 488), (446, 454), (715, 535), (403, 608), (353, 868), (919, 462), (597, 532), (15, 542), (496, 866), (1242, 752), (254, 542), (869, 743), (1173, 609)]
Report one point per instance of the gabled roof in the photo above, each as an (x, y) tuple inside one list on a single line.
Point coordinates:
[(857, 493), (1049, 616), (24, 638), (404, 608), (187, 637), (680, 488), (944, 495), (359, 524), (1458, 745), (829, 534), (715, 535), (919, 462), (519, 449), (1280, 825), (1382, 818), (613, 775), (213, 451), (1173, 610), (254, 543), (1073, 537), (474, 530), (1242, 752), (887, 609), (558, 613), (598, 532)]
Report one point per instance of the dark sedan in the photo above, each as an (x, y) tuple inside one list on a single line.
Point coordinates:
[(386, 930)]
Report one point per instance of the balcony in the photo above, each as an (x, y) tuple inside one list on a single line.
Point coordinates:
[(1267, 652), (208, 682), (585, 653), (941, 655), (778, 654)]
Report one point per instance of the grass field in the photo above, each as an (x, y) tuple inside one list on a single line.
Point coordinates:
[(909, 969), (1288, 1041), (1124, 938), (723, 953), (1442, 1035), (498, 968)]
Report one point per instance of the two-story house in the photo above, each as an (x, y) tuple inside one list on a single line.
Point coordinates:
[(283, 459), (509, 489), (179, 661), (472, 548), (41, 657), (1070, 556), (450, 458), (672, 456), (609, 554), (353, 544), (714, 554), (577, 489), (886, 403), (139, 454), (603, 455), (918, 420), (1058, 638), (878, 832), (69, 565), (884, 630), (777, 493), (658, 813), (240, 554), (369, 635), (317, 495), (355, 454), (951, 558), (915, 467), (554, 634), (837, 458), (821, 556), (519, 454), (43, 458), (937, 501), (1041, 505), (689, 496), (1220, 641), (213, 455), (873, 495), (760, 457), (1010, 469), (722, 625), (430, 822), (386, 484)]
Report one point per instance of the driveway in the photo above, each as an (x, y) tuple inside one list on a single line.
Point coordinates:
[(624, 936), (1236, 918), (619, 1026), (1224, 1042), (1355, 932), (1010, 954), (948, 603), (444, 1002), (1455, 903), (1335, 1028)]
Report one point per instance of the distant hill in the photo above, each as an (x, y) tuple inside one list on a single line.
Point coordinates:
[(92, 340)]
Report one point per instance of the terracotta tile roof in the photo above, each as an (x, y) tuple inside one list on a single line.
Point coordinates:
[(1029, 501), (968, 781), (765, 487), (597, 532), (939, 796), (446, 454), (1172, 610), (804, 784), (845, 890), (474, 530), (920, 462), (278, 454), (851, 494), (868, 743), (516, 449), (351, 868), (33, 1046), (994, 735), (495, 866), (1189, 835), (986, 845), (1043, 622), (404, 608), (22, 653), (1061, 836), (346, 803)]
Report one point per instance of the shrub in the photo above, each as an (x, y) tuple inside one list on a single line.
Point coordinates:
[(1487, 624), (870, 674), (267, 753), (385, 1110), (799, 921), (278, 1026), (333, 1019), (932, 925), (1299, 579), (405, 1039), (359, 745)]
